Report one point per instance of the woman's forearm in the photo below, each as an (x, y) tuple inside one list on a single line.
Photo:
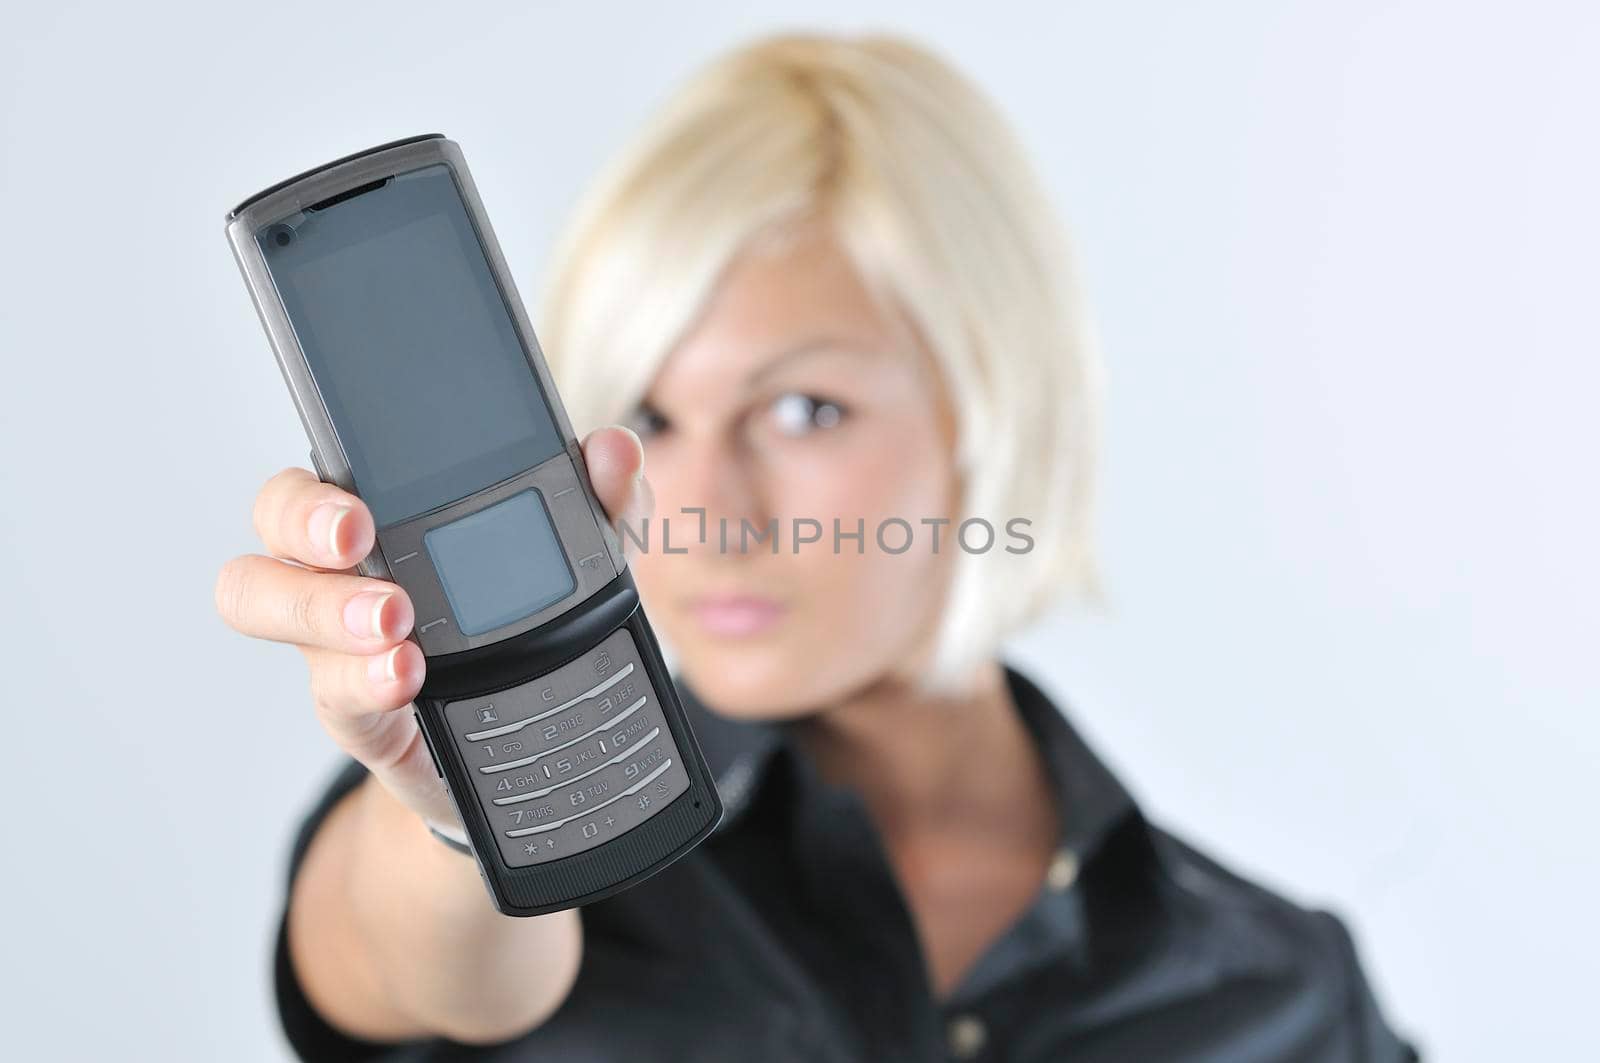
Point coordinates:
[(393, 936)]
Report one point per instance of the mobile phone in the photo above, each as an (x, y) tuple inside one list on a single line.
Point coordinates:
[(547, 706)]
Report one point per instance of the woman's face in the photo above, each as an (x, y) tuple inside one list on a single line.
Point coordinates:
[(795, 397)]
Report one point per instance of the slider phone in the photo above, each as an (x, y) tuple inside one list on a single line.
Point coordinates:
[(547, 706)]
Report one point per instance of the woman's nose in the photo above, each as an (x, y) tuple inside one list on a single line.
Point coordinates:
[(705, 487)]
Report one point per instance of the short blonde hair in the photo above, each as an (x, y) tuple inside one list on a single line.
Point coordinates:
[(932, 197)]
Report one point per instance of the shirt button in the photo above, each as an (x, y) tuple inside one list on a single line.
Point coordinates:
[(1063, 870), (967, 1035)]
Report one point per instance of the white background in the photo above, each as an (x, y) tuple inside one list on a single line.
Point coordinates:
[(1343, 257)]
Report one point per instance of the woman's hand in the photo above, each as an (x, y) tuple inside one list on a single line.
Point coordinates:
[(353, 630), (365, 960)]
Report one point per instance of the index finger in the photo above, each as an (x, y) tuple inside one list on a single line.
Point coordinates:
[(303, 519)]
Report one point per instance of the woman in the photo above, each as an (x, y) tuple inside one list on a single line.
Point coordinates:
[(826, 291)]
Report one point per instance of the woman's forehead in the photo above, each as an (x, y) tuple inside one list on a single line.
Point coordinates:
[(798, 305)]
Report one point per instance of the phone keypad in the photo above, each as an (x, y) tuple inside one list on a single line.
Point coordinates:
[(572, 759)]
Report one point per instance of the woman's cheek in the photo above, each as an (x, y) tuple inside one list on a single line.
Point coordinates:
[(869, 484), (865, 602)]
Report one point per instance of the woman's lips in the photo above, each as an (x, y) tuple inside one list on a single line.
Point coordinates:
[(736, 615)]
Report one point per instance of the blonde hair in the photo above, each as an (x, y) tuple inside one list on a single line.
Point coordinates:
[(932, 197)]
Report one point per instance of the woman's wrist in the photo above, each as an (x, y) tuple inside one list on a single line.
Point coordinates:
[(397, 831)]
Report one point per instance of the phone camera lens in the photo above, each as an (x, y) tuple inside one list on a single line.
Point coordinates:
[(281, 235)]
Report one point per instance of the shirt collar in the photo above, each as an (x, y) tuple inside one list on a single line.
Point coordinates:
[(1089, 799)]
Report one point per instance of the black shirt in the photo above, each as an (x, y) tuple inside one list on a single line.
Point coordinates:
[(784, 937)]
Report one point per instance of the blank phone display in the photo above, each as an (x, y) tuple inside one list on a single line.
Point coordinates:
[(415, 355)]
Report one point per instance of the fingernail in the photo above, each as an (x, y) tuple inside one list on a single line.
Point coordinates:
[(382, 668), (363, 614), (326, 520)]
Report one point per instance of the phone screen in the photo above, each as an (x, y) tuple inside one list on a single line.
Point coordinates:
[(411, 344)]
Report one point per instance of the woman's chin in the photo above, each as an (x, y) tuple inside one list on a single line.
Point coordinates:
[(753, 679)]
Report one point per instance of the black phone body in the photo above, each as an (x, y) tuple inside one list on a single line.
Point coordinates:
[(547, 706)]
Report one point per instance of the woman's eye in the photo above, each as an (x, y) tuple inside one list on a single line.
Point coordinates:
[(646, 422), (796, 414)]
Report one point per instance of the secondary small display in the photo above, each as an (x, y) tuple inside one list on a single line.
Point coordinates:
[(500, 564)]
